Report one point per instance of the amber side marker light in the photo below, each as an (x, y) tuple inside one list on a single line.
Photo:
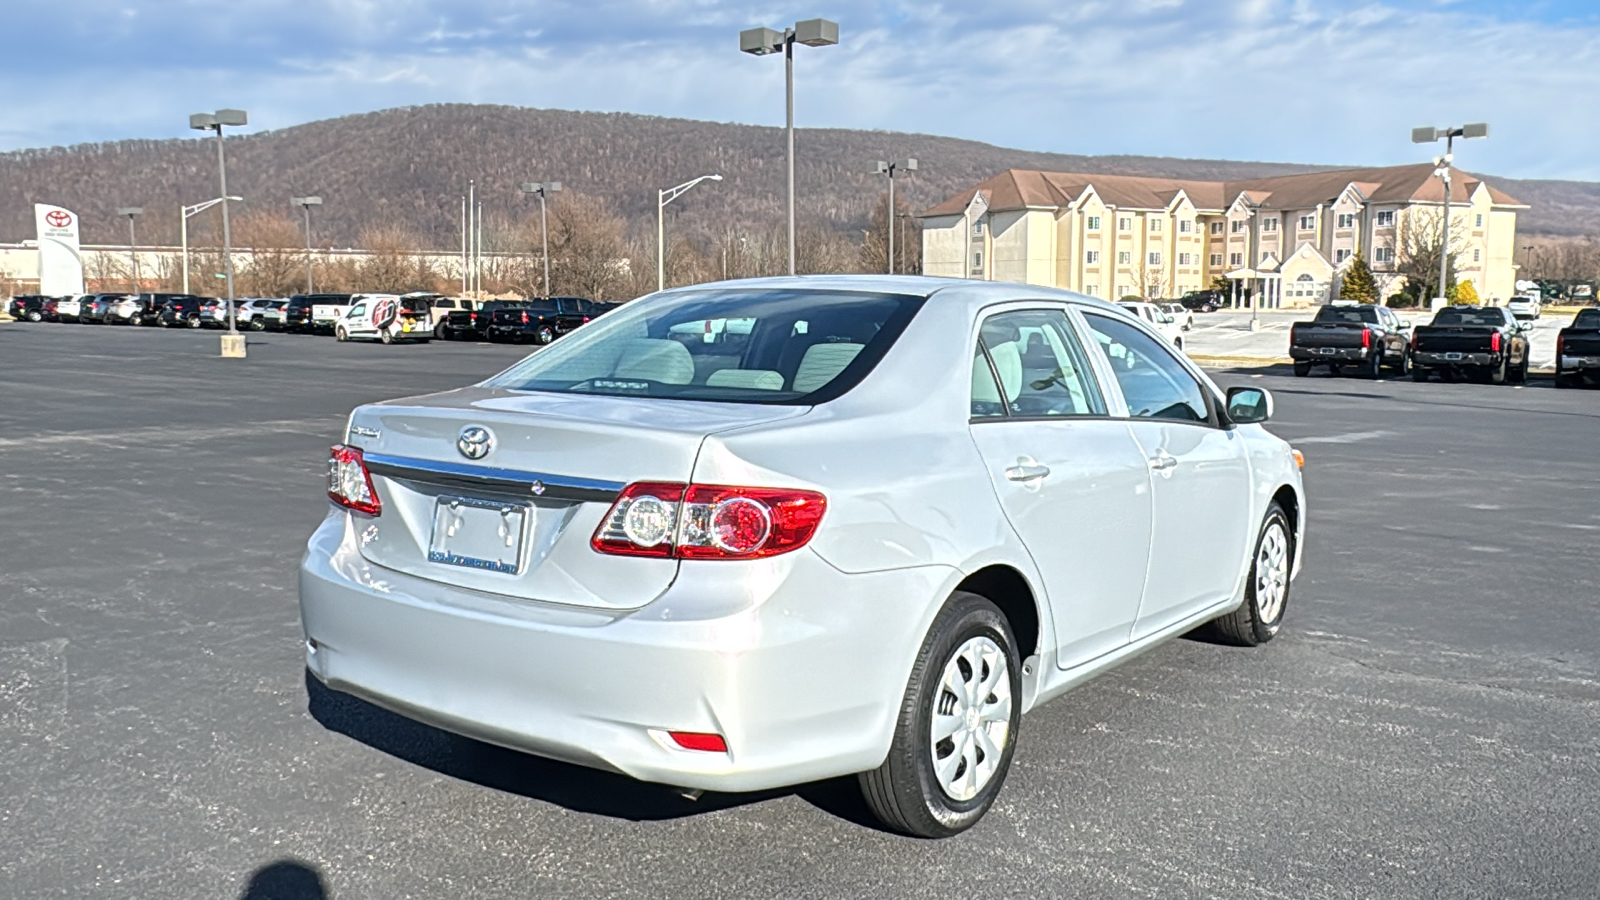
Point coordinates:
[(1299, 459)]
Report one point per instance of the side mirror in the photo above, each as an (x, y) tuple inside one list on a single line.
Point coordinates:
[(1249, 406)]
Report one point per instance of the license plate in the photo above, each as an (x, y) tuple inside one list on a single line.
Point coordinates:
[(1326, 351), (1452, 356), (479, 534)]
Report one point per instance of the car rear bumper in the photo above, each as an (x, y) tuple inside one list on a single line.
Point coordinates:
[(1452, 358), (1576, 363), (1329, 354), (800, 667)]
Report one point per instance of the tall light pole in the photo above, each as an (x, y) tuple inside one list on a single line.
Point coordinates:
[(185, 214), (889, 169), (133, 245), (764, 41), (1430, 135), (662, 199), (305, 203), (904, 247), (543, 189), (233, 341)]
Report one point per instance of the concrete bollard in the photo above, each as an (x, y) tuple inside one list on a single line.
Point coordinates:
[(233, 346)]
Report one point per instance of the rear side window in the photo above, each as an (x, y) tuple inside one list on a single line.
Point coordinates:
[(1029, 364), (739, 346)]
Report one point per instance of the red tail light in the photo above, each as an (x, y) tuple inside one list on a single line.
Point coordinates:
[(524, 318), (1413, 340), (1561, 345), (695, 740), (1494, 342), (701, 521), (1294, 335), (1366, 338), (349, 482), (474, 317)]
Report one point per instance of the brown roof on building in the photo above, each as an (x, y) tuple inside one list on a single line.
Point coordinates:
[(1016, 189)]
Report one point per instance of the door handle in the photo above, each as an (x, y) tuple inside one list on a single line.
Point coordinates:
[(1027, 473), (1162, 462)]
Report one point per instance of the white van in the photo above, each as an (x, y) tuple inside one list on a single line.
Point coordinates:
[(384, 317)]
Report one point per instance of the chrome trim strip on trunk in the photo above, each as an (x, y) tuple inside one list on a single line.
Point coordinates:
[(488, 478)]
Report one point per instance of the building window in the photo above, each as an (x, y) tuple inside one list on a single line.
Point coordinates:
[(1094, 223), (1265, 255), (1480, 220), (1185, 259), (1216, 259), (1308, 223), (1125, 257), (1477, 255), (1092, 290), (1236, 226), (1186, 226), (1269, 224), (1385, 218), (1347, 220), (1124, 224), (1216, 227), (1092, 257), (1236, 259), (1155, 225), (1383, 255), (977, 228), (977, 261), (1155, 257), (1340, 256)]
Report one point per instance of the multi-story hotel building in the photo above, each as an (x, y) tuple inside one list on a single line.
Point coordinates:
[(1287, 239)]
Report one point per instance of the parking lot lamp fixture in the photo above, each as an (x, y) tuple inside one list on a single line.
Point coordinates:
[(305, 203), (1430, 135), (132, 212), (233, 341), (662, 199), (889, 169), (543, 189), (765, 41)]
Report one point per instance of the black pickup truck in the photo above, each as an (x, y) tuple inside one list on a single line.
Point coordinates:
[(1365, 338), (541, 321), (473, 324), (1578, 350), (1471, 340)]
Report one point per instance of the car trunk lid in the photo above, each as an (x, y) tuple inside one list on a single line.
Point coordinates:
[(518, 521)]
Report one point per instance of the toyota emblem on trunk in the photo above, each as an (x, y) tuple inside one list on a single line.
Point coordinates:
[(475, 442)]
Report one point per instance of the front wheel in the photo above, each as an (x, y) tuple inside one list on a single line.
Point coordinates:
[(1266, 592), (545, 335), (35, 316), (957, 727), (339, 334), (194, 322)]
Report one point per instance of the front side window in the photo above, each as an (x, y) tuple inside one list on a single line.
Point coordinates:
[(1154, 383), (738, 346), (1029, 365)]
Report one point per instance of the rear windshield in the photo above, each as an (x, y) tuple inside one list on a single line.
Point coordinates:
[(1589, 318), (738, 346), (1357, 314), (414, 304), (1479, 318)]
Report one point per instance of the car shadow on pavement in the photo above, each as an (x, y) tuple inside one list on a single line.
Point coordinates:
[(286, 879), (570, 786)]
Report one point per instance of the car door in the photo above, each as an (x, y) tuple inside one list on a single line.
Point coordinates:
[(355, 320), (1200, 475), (1072, 480)]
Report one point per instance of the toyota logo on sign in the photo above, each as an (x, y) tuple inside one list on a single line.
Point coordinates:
[(475, 442), (58, 218)]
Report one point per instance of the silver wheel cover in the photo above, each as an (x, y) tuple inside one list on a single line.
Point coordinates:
[(971, 718), (1272, 573)]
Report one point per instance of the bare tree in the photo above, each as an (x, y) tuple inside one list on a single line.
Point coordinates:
[(1418, 243), (393, 263), (874, 255), (587, 248), (275, 266), (1155, 282)]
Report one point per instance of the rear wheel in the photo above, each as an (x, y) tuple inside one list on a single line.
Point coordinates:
[(35, 316), (1418, 373), (193, 322), (442, 330), (957, 727), (1373, 367), (545, 334), (1266, 592), (1302, 369), (386, 336), (1497, 374)]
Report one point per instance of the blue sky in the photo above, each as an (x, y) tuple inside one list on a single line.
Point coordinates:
[(1291, 80)]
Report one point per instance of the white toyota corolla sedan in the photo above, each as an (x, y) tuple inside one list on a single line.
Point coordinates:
[(740, 536)]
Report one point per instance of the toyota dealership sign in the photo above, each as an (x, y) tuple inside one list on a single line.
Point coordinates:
[(60, 265)]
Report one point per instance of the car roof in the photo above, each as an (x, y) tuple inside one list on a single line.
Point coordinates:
[(956, 291)]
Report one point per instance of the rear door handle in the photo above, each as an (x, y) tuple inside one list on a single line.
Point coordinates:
[(1162, 462), (1027, 473)]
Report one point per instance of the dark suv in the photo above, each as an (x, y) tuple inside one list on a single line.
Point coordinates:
[(150, 306), (541, 321), (27, 308), (181, 312)]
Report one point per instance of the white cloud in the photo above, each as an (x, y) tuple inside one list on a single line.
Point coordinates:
[(1296, 80)]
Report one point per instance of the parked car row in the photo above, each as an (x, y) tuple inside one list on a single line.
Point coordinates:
[(389, 318), (1487, 343)]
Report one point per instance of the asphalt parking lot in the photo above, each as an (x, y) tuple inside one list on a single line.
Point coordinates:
[(1428, 724)]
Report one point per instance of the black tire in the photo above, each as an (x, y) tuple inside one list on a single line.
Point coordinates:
[(1247, 626), (257, 325), (193, 322), (1497, 375), (1372, 369), (339, 334), (1302, 369), (1418, 373), (547, 335), (386, 335), (904, 793), (1519, 375), (35, 316), (1404, 366), (442, 330)]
